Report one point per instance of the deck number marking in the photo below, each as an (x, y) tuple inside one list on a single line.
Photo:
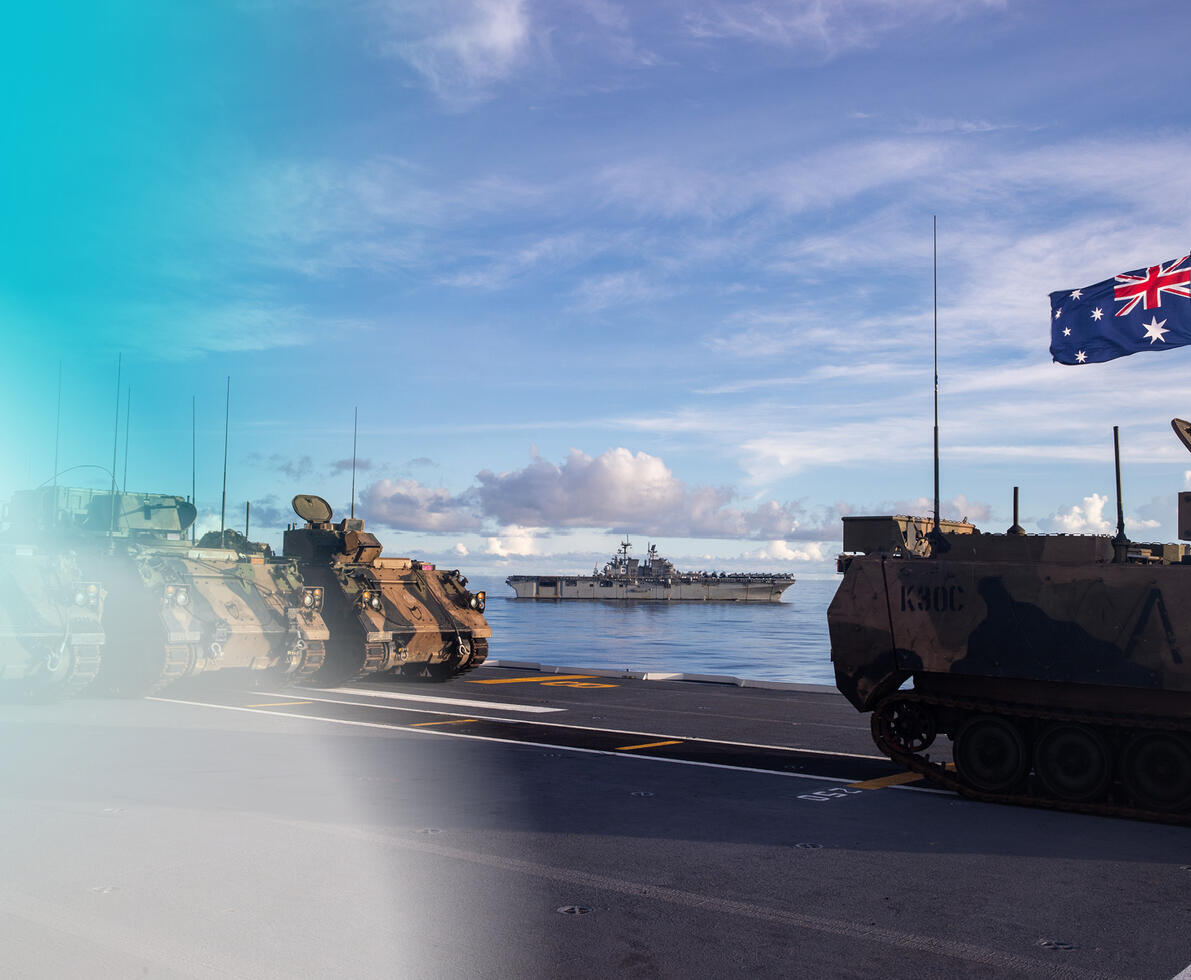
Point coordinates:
[(835, 793), (938, 598)]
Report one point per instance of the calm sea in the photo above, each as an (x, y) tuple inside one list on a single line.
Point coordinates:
[(784, 641)]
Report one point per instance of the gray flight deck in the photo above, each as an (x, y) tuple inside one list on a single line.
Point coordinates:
[(527, 823)]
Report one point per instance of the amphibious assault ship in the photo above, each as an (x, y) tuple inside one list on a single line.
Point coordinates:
[(653, 580)]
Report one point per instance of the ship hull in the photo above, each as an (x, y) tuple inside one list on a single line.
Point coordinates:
[(729, 589)]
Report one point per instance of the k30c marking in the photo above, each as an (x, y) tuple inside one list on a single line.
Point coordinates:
[(932, 598)]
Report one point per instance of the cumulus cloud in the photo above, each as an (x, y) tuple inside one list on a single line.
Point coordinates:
[(408, 505), (781, 551), (1085, 518), (626, 490), (1089, 517), (514, 541), (618, 490), (460, 549)]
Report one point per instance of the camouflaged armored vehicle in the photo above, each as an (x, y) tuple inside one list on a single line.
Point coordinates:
[(1059, 666), (174, 610), (395, 615), (51, 632)]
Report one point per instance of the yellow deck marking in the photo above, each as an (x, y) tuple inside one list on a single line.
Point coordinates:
[(458, 721), (647, 745), (895, 780), (584, 684), (275, 704), (535, 680)]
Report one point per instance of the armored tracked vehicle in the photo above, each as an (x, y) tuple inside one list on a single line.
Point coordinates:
[(1059, 666), (385, 615), (174, 610), (51, 633)]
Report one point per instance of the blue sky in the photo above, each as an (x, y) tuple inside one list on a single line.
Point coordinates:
[(593, 267)]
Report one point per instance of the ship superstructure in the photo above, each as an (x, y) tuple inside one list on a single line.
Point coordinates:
[(653, 580)]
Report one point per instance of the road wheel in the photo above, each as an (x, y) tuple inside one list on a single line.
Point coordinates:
[(1073, 762), (908, 725), (990, 754), (1157, 771)]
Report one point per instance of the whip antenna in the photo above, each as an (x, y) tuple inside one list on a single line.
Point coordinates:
[(937, 541), (935, 263), (193, 489), (227, 409)]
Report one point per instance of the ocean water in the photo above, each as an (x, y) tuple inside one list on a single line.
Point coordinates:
[(784, 641)]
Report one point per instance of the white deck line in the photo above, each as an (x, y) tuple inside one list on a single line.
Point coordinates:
[(541, 745), (582, 728), (431, 699)]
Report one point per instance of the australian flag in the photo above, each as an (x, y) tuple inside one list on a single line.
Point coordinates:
[(1149, 309)]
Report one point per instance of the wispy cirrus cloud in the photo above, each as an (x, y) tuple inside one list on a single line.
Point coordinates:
[(461, 48), (820, 26)]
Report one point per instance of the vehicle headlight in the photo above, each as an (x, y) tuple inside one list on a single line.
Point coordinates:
[(182, 597), (481, 600), (374, 602), (80, 598), (308, 599), (475, 602)]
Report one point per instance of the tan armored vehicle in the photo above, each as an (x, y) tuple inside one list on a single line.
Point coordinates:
[(51, 633), (396, 615), (174, 610), (1059, 666)]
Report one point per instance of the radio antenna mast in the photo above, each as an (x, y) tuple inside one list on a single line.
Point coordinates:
[(193, 468), (227, 410), (937, 542), (355, 434)]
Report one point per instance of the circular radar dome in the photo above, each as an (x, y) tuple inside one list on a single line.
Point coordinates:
[(312, 509)]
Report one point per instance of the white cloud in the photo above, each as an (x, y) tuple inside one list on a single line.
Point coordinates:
[(1085, 518), (618, 490), (466, 45), (408, 505), (460, 549), (826, 27), (782, 551), (515, 541), (622, 489)]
